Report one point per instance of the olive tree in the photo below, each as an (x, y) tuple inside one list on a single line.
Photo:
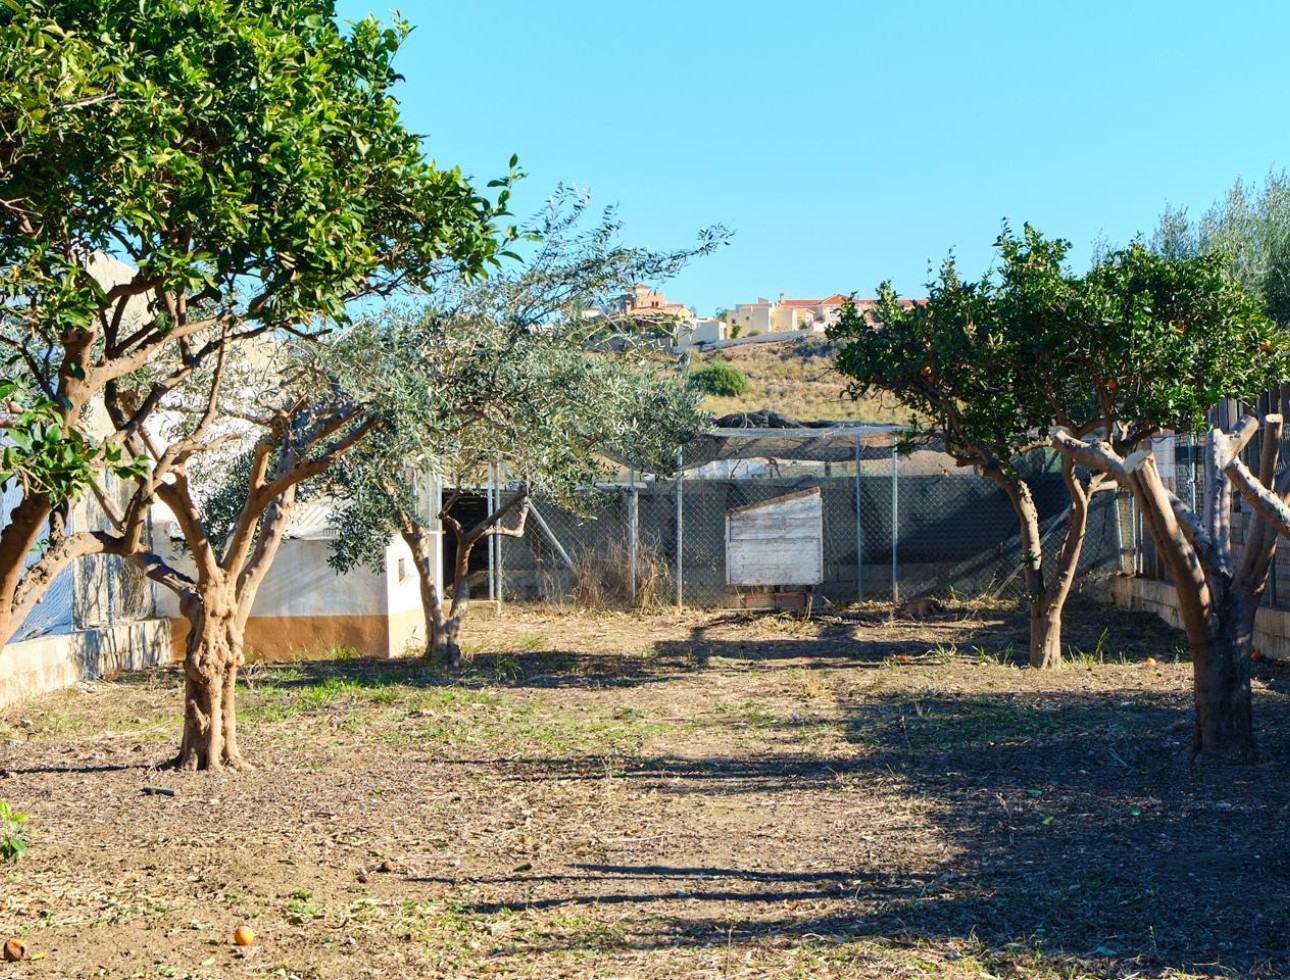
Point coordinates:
[(1250, 228), (245, 167), (549, 415), (532, 375), (243, 437)]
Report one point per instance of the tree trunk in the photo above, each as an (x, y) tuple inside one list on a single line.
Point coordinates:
[(1221, 681), (1046, 611), (214, 654), (1217, 617), (1045, 633), (457, 610), (431, 604), (1217, 599), (1045, 618)]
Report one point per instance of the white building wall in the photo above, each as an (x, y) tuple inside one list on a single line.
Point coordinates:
[(301, 583), (752, 317), (702, 331)]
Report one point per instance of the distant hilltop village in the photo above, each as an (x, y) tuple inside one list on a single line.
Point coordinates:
[(764, 320)]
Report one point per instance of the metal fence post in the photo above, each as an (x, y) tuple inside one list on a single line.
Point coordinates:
[(859, 530), (490, 506), (895, 524), (501, 556), (1135, 552), (680, 530), (633, 531), (1191, 468)]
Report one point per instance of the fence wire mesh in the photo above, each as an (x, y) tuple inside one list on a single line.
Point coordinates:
[(53, 613), (894, 526)]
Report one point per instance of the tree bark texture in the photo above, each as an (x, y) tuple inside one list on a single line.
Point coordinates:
[(217, 604), (212, 658), (1224, 726), (418, 540), (451, 631)]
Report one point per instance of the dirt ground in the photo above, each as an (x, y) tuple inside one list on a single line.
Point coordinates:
[(683, 795)]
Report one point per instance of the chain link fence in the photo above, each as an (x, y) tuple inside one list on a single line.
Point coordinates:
[(894, 525)]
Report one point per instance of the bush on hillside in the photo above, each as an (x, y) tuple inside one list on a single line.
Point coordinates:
[(721, 378)]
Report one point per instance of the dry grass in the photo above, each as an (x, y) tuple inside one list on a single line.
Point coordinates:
[(602, 579), (798, 379)]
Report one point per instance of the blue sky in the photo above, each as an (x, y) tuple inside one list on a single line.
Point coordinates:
[(847, 143)]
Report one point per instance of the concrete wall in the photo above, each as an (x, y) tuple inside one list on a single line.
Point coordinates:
[(302, 584), (765, 338), (701, 331), (304, 606), (1271, 626), (405, 630), (49, 663)]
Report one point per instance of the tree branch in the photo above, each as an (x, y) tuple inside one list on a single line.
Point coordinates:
[(251, 576), (1265, 503), (488, 526), (1218, 499), (1096, 455)]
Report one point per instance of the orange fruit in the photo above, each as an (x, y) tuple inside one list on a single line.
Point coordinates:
[(14, 950), (1255, 655), (1150, 661), (1112, 384), (243, 936)]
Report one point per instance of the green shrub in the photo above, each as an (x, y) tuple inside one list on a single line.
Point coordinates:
[(721, 379), (13, 835)]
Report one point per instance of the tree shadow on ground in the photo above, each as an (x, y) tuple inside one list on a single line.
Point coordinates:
[(1074, 825), (1065, 821), (864, 639), (88, 769)]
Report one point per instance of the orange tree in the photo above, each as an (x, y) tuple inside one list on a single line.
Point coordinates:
[(958, 361), (1152, 345), (247, 164), (1094, 366)]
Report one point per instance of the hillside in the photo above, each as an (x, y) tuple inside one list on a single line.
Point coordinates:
[(797, 379)]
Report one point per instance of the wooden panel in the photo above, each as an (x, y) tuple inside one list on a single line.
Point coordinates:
[(777, 542)]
